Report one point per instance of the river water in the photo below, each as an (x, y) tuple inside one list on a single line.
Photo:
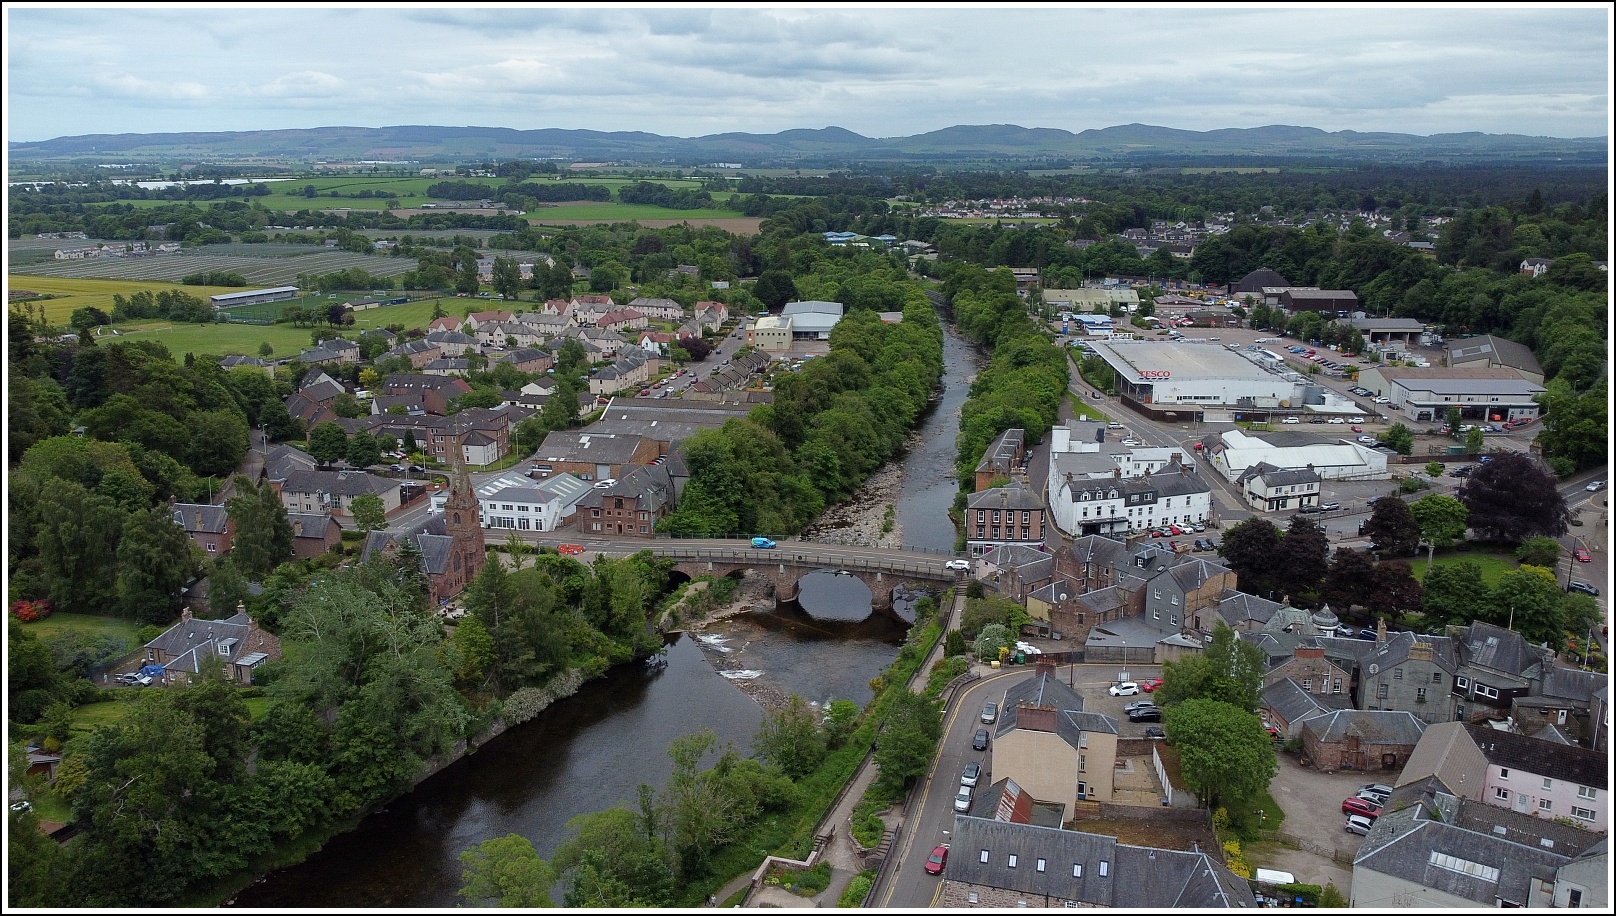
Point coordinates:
[(592, 750)]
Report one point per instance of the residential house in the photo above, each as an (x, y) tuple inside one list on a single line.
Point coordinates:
[(1496, 668), (1271, 489), (476, 320), (248, 362), (1050, 746), (556, 307), (545, 323), (445, 323), (1536, 267), (530, 360), (510, 333), (627, 373), (1313, 673), (1444, 851), (1087, 506), (1003, 457), (207, 526), (1182, 587), (631, 506), (186, 647), (622, 320), (586, 310), (452, 343), (333, 352), (408, 404), (1000, 864), (313, 533), (418, 352), (1017, 569), (1532, 776), (1285, 705), (447, 365), (660, 309), (335, 491), (1003, 515), (480, 436), (718, 309), (435, 391)]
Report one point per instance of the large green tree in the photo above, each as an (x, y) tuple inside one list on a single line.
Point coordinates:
[(1392, 528), (907, 740), (508, 871), (328, 443), (1300, 563), (1347, 583), (1442, 519), (1528, 600), (263, 531), (791, 739), (1249, 549), (1227, 757), (1455, 593), (154, 563), (1229, 671)]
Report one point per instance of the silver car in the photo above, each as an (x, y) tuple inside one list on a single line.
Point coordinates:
[(962, 801)]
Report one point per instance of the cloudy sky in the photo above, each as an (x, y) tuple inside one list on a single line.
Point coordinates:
[(880, 71)]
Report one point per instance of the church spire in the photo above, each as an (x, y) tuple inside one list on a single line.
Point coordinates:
[(463, 523)]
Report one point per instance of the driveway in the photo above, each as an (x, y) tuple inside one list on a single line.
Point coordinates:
[(1312, 804)]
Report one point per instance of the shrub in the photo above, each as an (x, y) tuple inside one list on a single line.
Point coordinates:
[(868, 828), (30, 611), (857, 890)]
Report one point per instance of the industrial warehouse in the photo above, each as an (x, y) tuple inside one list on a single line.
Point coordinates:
[(1186, 380)]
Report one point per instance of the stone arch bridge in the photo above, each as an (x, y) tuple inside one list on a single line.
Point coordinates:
[(784, 566)]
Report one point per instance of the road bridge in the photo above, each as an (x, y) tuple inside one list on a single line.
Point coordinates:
[(784, 565)]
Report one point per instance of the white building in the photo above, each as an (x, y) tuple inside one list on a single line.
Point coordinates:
[(514, 502), (770, 334), (1082, 506), (1234, 451), (1182, 376), (812, 320), (1271, 489)]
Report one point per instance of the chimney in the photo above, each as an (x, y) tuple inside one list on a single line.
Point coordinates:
[(1420, 651), (185, 613), (1035, 718), (1116, 473), (1309, 652), (1380, 632), (297, 527)]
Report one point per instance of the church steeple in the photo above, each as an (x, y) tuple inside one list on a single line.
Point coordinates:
[(463, 523)]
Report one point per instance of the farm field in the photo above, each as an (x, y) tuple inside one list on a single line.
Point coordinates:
[(601, 211), (277, 266), (77, 292)]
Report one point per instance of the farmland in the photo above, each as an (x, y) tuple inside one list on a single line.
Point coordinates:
[(76, 293), (267, 265), (620, 213)]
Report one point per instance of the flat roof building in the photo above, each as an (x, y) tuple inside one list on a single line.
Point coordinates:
[(812, 319), (1490, 395), (1386, 330), (1492, 352), (1233, 452), (770, 334), (1183, 376), (253, 296)]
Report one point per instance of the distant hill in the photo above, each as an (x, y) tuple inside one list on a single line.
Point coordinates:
[(822, 146)]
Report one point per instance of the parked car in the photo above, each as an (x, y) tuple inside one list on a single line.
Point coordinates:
[(134, 679), (1150, 685), (1462, 471), (1329, 507), (1154, 732), (1371, 795), (1124, 689), (973, 772), (1357, 420), (1309, 509), (1357, 823), (1337, 421), (763, 543), (1583, 588), (1366, 440), (570, 550), (990, 713), (937, 859), (1145, 714), (1582, 556), (1361, 806), (1376, 787), (1139, 704), (22, 805), (962, 799), (1290, 420), (1198, 527), (957, 565), (980, 741), (1345, 631), (1203, 544)]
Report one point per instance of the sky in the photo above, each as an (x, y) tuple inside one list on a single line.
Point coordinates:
[(881, 71)]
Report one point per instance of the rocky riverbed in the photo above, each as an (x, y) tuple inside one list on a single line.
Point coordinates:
[(858, 522)]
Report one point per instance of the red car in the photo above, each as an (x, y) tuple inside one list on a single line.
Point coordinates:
[(1357, 429), (571, 550), (1150, 685), (937, 859), (1360, 806), (1582, 555)]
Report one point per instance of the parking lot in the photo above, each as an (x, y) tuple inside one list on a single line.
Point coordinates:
[(1311, 801)]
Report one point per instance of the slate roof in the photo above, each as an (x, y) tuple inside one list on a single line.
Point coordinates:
[(201, 517), (345, 483), (1011, 497), (1278, 477), (1295, 705), (1257, 279), (1396, 649), (1236, 607), (1136, 877), (1193, 572), (1100, 551), (578, 445), (1565, 683), (1488, 646), (1001, 452), (650, 487), (451, 337), (1402, 843), (1372, 726), (314, 524), (1057, 591), (186, 643), (1545, 758), (284, 459), (431, 536), (1100, 600)]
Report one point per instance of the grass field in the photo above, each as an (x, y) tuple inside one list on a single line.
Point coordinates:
[(77, 293), (111, 712), (275, 265), (86, 624), (616, 212), (1493, 565)]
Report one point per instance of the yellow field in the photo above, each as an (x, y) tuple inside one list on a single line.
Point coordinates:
[(76, 294)]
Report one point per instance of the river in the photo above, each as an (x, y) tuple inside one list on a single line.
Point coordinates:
[(592, 750)]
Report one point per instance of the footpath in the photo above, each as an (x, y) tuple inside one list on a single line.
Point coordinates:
[(844, 860)]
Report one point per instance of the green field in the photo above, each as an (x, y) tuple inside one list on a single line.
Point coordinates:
[(617, 212), (75, 293), (112, 712), (1493, 565), (84, 624)]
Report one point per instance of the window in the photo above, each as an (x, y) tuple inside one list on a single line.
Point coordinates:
[(1544, 804), (1419, 695), (1381, 691), (984, 859), (1040, 866), (594, 526), (1077, 870), (212, 548), (1173, 619), (1586, 814), (642, 529), (1105, 868), (1337, 685), (1461, 682), (1503, 773), (1012, 862), (1500, 793), (1588, 792), (1482, 690), (1463, 866), (1307, 684), (594, 513), (1547, 783), (1397, 674)]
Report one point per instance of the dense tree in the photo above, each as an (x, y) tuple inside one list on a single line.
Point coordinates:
[(1249, 549), (1229, 672), (1391, 528), (1455, 593), (368, 512), (154, 563), (791, 739), (1393, 588), (1227, 757), (507, 279), (1576, 427), (1514, 497), (328, 443), (363, 450), (1442, 519), (263, 532), (77, 541), (1300, 563), (907, 740), (508, 871), (1528, 600), (1399, 438), (616, 858), (1538, 551), (775, 288), (1348, 582)]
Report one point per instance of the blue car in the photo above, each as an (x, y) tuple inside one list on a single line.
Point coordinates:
[(763, 543)]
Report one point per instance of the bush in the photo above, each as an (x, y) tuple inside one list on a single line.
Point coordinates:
[(868, 828), (30, 611), (857, 890)]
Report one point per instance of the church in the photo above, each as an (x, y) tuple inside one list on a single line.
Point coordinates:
[(451, 544)]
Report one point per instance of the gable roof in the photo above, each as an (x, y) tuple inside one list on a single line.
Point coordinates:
[(1373, 726), (1545, 758), (201, 517), (1295, 705), (1493, 349), (1489, 646)]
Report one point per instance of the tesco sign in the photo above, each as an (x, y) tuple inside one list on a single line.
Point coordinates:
[(1155, 373)]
